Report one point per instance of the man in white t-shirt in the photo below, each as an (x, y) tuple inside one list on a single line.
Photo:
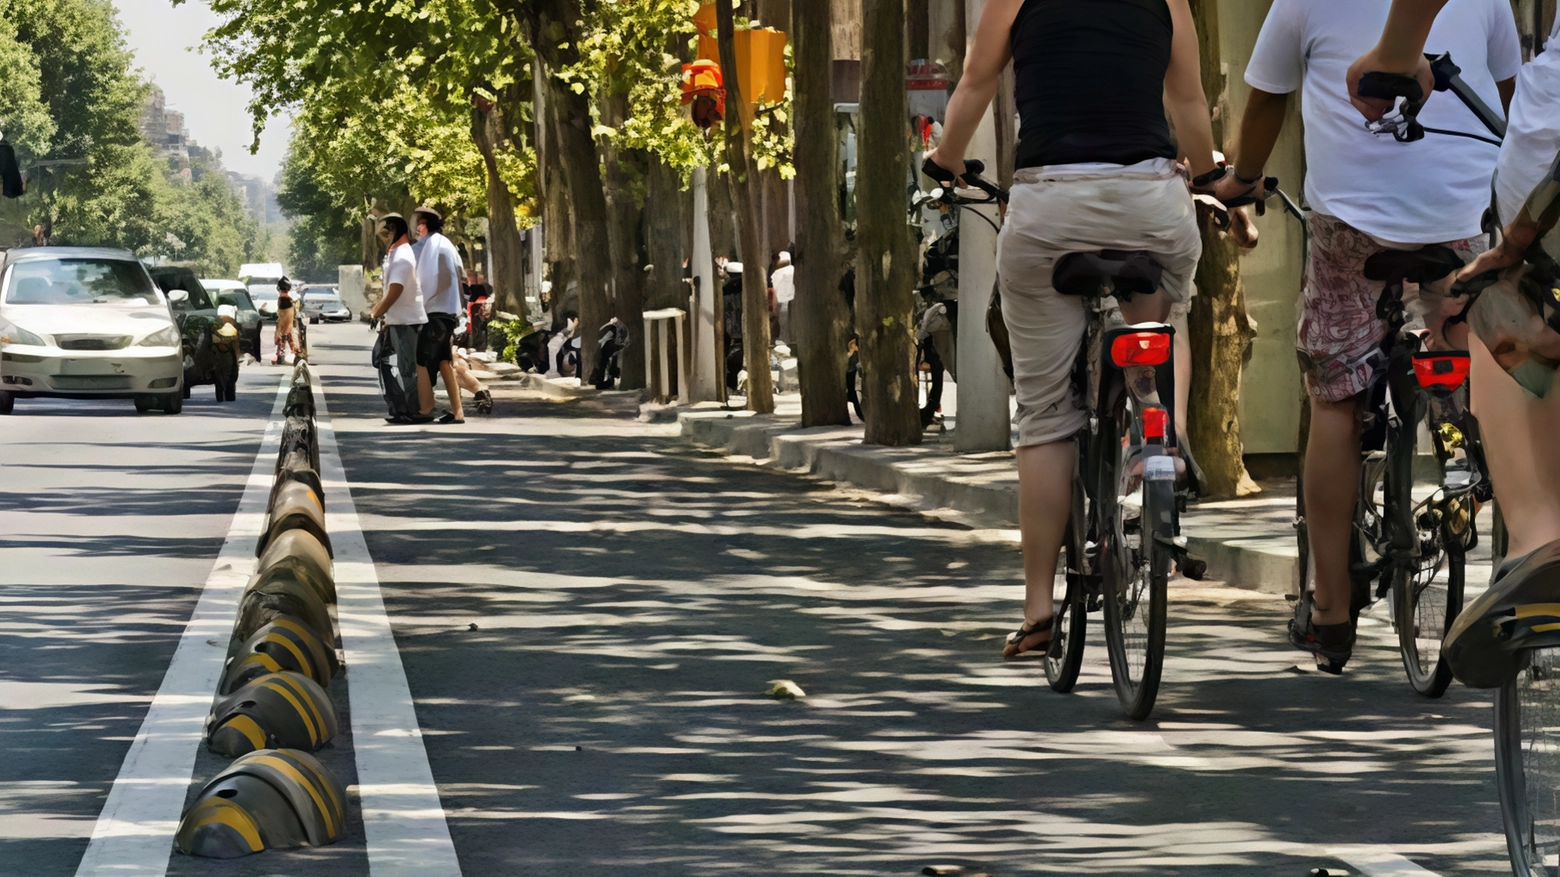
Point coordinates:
[(1519, 411), (401, 307), (784, 282), (439, 271), (1369, 193)]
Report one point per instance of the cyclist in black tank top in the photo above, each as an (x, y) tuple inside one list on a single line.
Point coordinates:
[(1093, 79)]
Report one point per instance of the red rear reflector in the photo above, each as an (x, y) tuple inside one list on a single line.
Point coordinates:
[(1140, 348), (1154, 422), (1443, 370)]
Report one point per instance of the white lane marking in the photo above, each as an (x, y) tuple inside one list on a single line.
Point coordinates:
[(1377, 861), (134, 833), (402, 815)]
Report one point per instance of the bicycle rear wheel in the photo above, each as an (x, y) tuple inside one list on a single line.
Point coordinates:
[(1527, 764), (1137, 574), (1070, 602)]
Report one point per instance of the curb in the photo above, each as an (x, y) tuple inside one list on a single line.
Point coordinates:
[(985, 489)]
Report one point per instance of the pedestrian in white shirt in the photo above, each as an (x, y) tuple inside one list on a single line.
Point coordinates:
[(1369, 193), (401, 307), (439, 271), (784, 282)]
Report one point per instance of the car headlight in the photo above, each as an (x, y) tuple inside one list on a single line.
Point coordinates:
[(167, 336), (10, 333)]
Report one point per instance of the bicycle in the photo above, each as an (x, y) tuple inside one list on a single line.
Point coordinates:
[(1123, 535), (1400, 546)]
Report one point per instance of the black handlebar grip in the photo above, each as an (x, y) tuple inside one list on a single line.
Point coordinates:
[(1386, 86), (1476, 284), (942, 175)]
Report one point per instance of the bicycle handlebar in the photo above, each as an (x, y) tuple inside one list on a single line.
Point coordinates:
[(1404, 125), (971, 177)]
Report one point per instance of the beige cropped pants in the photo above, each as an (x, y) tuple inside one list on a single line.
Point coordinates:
[(1057, 211)]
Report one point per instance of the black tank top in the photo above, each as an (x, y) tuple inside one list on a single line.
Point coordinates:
[(1089, 81)]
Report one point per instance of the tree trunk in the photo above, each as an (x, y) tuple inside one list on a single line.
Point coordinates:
[(918, 36), (744, 185), (557, 225), (503, 234), (1220, 337), (818, 312), (628, 245), (552, 31), (885, 264), (668, 216), (1220, 332)]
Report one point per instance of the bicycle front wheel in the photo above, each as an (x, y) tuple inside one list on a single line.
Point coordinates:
[(1137, 574), (1070, 600), (1527, 763), (1427, 597)]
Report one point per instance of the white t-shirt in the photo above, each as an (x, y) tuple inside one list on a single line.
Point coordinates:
[(1414, 193), (784, 282), (438, 273), (401, 267), (1533, 130)]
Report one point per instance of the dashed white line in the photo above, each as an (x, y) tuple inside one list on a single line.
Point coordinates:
[(402, 815), (134, 832)]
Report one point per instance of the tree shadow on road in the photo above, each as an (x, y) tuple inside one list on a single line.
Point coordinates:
[(633, 599)]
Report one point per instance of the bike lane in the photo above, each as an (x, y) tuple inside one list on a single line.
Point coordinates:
[(590, 613)]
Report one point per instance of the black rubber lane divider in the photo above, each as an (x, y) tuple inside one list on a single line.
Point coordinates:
[(269, 799), (272, 707)]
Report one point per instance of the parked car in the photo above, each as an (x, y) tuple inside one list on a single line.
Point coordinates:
[(80, 322), (265, 297), (208, 358), (324, 304), (231, 292)]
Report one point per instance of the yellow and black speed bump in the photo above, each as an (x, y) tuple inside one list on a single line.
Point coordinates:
[(279, 594), (306, 557), (270, 799), (297, 506), (295, 467), (283, 710), (298, 434), (284, 644), (300, 400)]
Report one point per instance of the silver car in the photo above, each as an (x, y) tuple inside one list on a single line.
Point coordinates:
[(87, 323), (323, 304)]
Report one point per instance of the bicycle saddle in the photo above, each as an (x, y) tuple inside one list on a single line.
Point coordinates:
[(1133, 272), (1425, 265), (1521, 610)]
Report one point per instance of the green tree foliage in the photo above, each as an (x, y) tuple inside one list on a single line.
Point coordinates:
[(205, 224), (24, 117)]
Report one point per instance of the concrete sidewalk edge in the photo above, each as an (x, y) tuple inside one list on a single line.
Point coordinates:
[(836, 454)]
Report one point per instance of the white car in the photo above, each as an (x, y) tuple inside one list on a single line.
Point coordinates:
[(87, 323)]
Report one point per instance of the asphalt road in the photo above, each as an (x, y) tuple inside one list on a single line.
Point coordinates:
[(590, 612)]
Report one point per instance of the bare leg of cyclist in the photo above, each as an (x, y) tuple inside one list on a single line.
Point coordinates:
[(1332, 476), (1518, 431), (451, 386), (1045, 484)]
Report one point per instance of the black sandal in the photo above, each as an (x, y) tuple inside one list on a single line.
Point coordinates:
[(1017, 637)]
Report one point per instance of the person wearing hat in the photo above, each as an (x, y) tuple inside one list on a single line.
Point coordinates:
[(286, 318), (438, 275), (401, 307)]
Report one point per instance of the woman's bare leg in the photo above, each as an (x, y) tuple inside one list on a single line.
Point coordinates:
[(1518, 431)]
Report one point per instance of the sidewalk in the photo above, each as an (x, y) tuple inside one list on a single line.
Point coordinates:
[(1249, 543)]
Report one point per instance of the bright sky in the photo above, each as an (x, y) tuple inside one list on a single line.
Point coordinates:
[(166, 41)]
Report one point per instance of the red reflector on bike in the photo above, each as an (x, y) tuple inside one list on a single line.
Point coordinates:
[(1443, 370), (1154, 422), (1140, 348)]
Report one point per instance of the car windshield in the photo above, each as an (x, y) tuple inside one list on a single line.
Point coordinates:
[(238, 299), (324, 298), (79, 281), (259, 292)]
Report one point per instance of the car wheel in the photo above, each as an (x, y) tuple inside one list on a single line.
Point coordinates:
[(185, 392), (173, 403), (143, 404), (7, 403)]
